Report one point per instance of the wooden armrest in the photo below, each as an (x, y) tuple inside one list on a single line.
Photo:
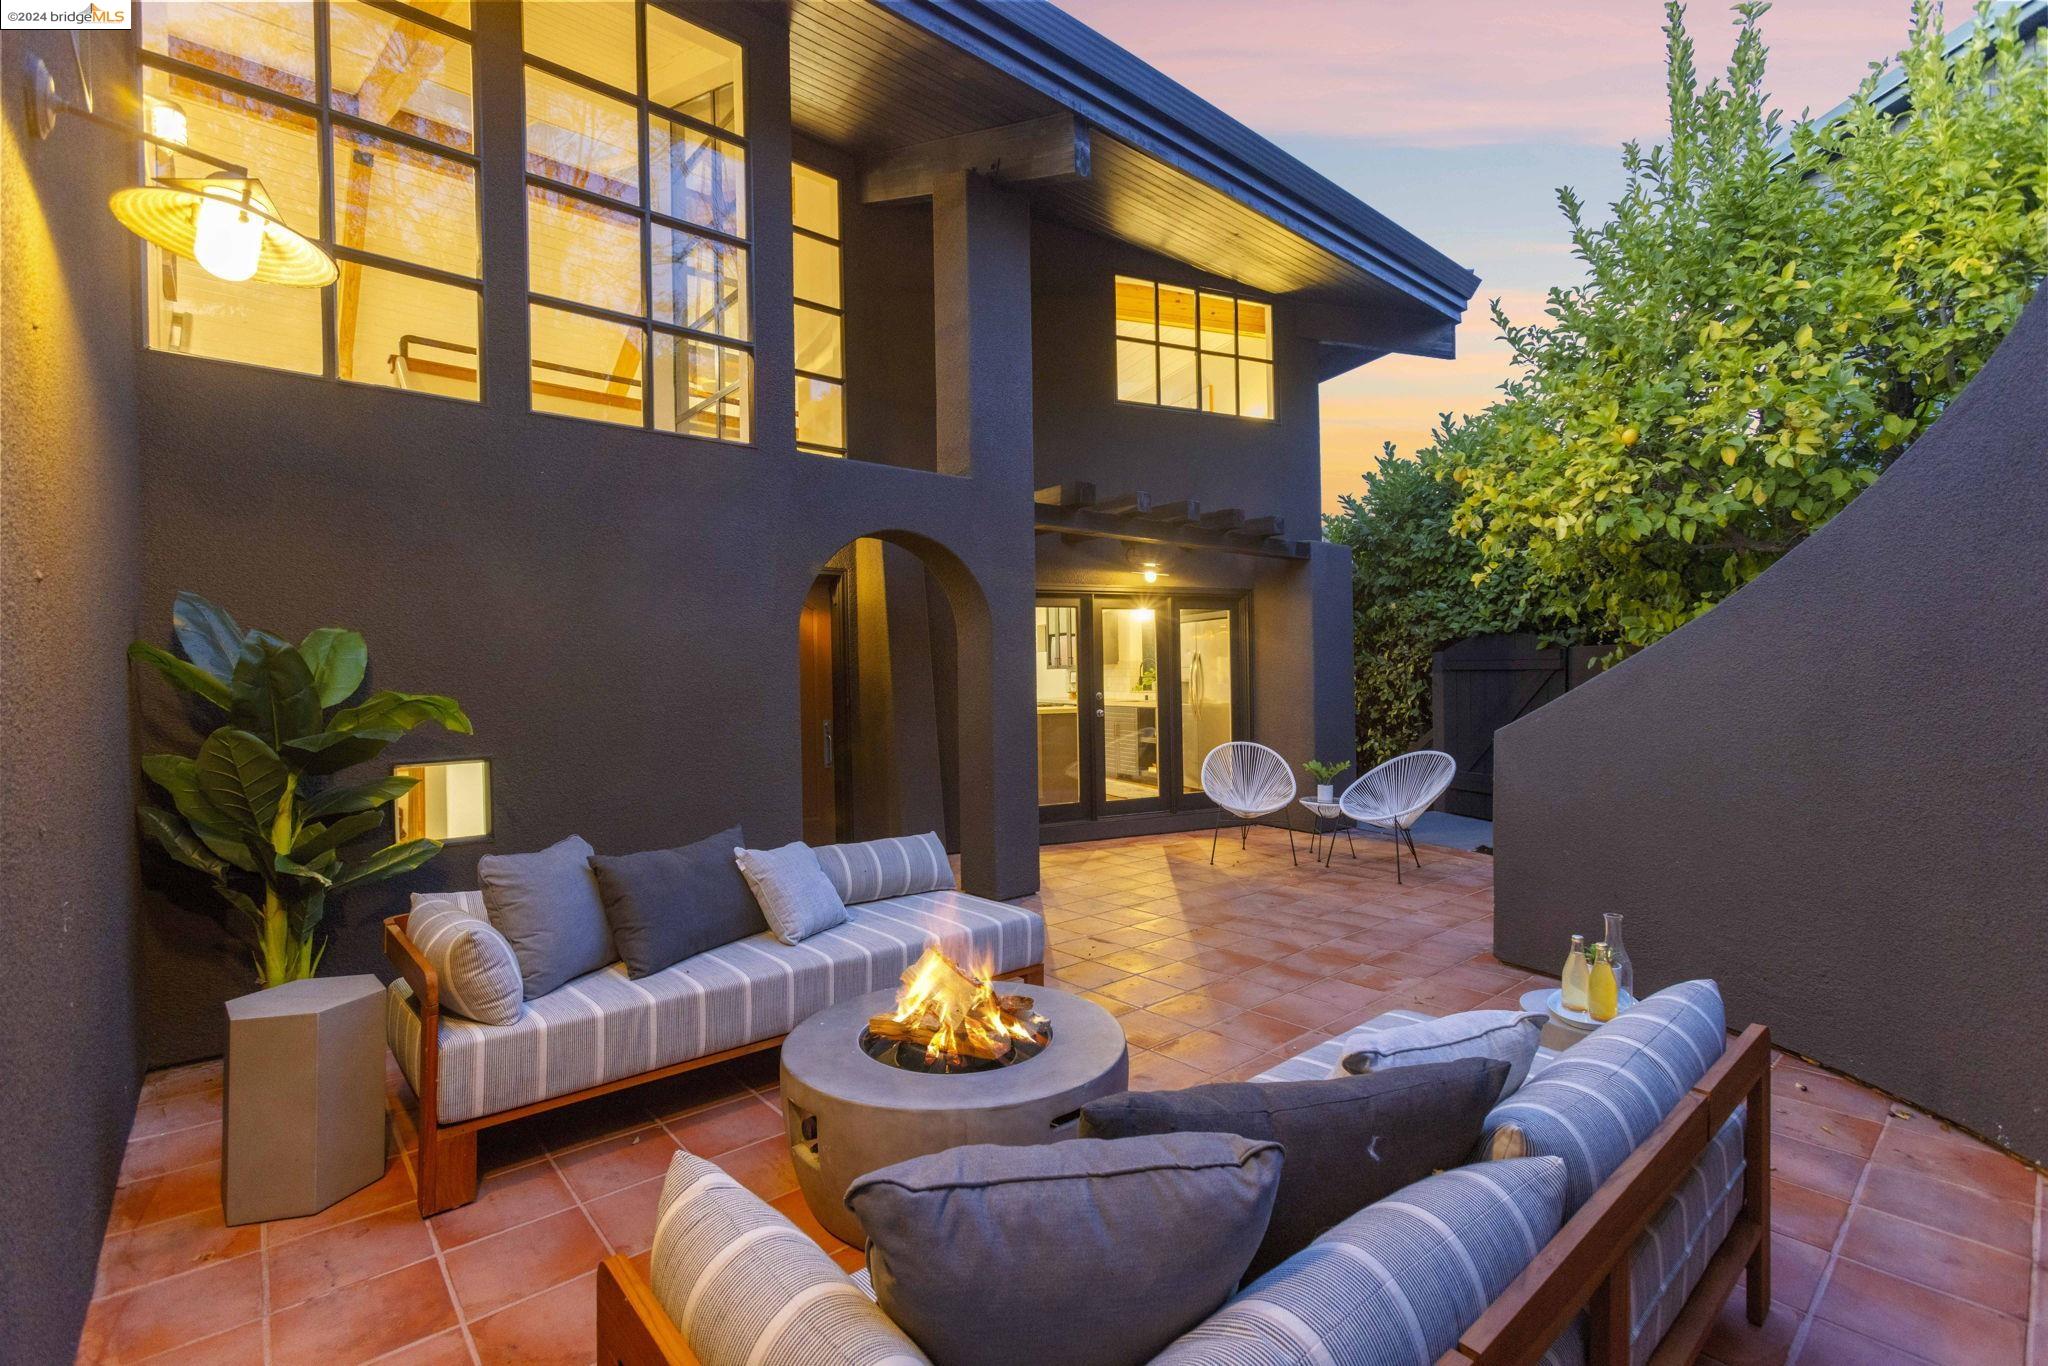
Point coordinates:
[(632, 1327), (413, 967)]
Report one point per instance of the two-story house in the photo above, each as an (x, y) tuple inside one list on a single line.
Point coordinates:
[(841, 417)]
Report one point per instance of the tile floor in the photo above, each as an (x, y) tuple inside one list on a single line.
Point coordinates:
[(1896, 1240)]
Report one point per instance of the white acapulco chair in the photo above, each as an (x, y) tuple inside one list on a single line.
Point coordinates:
[(1247, 780), (1393, 796)]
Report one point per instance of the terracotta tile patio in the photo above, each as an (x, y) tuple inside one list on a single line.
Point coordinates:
[(1897, 1239)]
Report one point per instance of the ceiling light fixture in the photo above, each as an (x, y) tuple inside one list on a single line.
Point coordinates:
[(225, 221)]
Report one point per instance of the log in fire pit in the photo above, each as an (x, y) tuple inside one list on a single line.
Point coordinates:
[(950, 1058)]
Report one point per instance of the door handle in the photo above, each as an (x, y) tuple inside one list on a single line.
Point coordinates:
[(828, 743)]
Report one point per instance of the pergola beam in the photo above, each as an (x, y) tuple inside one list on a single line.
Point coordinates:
[(1052, 148)]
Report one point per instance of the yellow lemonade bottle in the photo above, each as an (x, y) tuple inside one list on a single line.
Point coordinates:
[(1603, 993), (1572, 981)]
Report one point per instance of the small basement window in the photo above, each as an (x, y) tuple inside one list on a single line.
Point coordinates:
[(451, 801)]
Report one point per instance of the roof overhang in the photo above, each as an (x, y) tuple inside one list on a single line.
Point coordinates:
[(1163, 169)]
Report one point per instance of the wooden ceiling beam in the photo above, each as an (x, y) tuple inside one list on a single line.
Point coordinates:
[(1052, 148)]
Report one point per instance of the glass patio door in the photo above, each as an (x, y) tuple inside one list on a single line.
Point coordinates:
[(1133, 693)]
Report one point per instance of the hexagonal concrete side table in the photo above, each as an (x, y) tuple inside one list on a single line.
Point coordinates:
[(304, 1097)]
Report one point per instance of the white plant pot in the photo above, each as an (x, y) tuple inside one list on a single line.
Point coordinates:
[(1324, 792)]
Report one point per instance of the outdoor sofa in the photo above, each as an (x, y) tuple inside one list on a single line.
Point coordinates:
[(1666, 1203), (605, 1031)]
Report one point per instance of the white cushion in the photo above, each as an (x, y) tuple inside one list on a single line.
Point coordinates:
[(473, 964), (795, 895)]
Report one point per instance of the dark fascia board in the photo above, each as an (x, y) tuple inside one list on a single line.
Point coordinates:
[(1035, 42)]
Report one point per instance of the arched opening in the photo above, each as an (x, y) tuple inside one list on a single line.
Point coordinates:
[(891, 648)]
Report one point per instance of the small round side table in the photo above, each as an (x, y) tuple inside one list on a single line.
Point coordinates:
[(1320, 811), (1563, 1027)]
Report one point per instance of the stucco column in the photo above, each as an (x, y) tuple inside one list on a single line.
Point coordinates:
[(981, 299), (1303, 702)]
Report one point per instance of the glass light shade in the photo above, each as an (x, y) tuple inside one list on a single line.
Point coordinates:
[(222, 222)]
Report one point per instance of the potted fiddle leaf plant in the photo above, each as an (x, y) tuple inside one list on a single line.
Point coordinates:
[(257, 808), (1326, 776)]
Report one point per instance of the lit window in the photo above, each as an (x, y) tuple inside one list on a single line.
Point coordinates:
[(640, 293), (388, 127), (1185, 348), (820, 322), (450, 801)]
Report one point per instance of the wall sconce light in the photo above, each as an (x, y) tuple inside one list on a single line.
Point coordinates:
[(1147, 561), (225, 221)]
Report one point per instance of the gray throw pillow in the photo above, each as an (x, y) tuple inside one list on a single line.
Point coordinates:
[(795, 895), (1349, 1141), (878, 869), (547, 907), (670, 904), (1508, 1035), (1090, 1252)]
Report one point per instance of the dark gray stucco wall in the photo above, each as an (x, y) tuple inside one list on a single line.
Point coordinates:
[(68, 572), (1830, 792)]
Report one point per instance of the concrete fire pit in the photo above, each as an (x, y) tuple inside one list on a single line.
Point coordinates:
[(850, 1114)]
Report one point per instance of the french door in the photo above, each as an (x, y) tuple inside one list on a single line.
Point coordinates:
[(1133, 691)]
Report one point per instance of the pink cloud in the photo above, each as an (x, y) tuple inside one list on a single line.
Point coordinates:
[(1458, 72)]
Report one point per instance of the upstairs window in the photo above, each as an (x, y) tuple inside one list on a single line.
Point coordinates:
[(636, 200), (1187, 348), (820, 319), (369, 152)]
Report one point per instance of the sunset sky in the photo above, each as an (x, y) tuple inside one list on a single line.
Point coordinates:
[(1459, 119)]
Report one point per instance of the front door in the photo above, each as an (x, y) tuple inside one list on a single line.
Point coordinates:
[(817, 665), (1133, 693)]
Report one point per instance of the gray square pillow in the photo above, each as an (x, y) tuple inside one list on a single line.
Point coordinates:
[(1507, 1035), (795, 895), (1091, 1252), (1349, 1141), (548, 908), (669, 904)]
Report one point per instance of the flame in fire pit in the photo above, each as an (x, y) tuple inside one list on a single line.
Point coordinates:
[(955, 1020)]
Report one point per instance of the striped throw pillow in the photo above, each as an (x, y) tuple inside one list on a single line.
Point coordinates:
[(1506, 1035), (476, 969), (1603, 1096), (1397, 1282), (793, 892), (880, 869), (748, 1288)]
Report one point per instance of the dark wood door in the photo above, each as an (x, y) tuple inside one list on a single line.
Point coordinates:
[(815, 670)]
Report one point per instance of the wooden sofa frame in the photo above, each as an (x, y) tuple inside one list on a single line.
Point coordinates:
[(447, 1166), (1586, 1266)]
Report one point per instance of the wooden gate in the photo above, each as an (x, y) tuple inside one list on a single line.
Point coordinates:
[(1479, 685)]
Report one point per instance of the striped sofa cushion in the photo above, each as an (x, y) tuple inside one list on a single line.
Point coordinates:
[(1671, 1255), (886, 868), (1595, 1103), (1397, 1282), (606, 1025), (1328, 1056), (748, 1288), (475, 968)]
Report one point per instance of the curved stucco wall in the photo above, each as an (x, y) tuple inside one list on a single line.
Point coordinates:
[(1831, 792)]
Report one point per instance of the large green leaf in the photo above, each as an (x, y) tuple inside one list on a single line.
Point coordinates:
[(273, 692), (168, 833), (400, 711), (182, 675), (207, 634), (179, 777), (318, 839), (291, 867), (240, 901), (337, 658), (245, 781), (332, 751), (362, 797), (389, 862)]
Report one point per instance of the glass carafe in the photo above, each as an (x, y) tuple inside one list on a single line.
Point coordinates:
[(1624, 970)]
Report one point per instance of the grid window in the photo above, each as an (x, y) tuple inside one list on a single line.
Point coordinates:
[(1185, 348), (637, 259), (820, 323), (359, 120)]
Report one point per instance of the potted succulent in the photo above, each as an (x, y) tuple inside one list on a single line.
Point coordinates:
[(256, 809), (1326, 776)]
